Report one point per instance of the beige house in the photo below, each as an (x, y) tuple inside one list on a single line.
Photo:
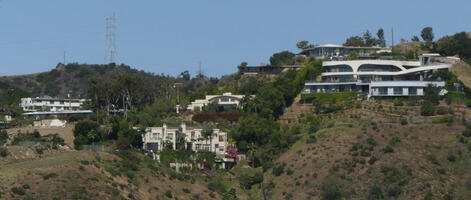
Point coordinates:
[(155, 138)]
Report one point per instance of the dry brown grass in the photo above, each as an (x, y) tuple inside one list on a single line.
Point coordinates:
[(74, 179), (463, 71)]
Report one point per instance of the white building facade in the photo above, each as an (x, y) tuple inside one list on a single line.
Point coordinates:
[(332, 50), (50, 104), (155, 139), (381, 77), (226, 99)]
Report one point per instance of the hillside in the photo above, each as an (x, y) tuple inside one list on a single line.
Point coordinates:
[(71, 78), (463, 71), (25, 174), (371, 152)]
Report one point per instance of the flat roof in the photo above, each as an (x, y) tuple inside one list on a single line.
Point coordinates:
[(59, 112)]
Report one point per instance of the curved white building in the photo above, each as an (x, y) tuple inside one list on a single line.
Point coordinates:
[(381, 77), (226, 99)]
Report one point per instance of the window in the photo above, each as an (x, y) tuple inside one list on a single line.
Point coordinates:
[(383, 90), (216, 146), (221, 138), (398, 90), (221, 148), (412, 91), (378, 68), (51, 102), (62, 102), (170, 136), (224, 99), (155, 136)]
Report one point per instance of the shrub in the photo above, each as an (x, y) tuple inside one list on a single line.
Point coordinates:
[(443, 119), (427, 109), (388, 149), (331, 189), (217, 184), (467, 132), (441, 110), (451, 158), (50, 175), (433, 159), (18, 190), (404, 121), (289, 171), (376, 193), (168, 194), (250, 177), (372, 160), (3, 151), (395, 140), (278, 170), (185, 190), (397, 102)]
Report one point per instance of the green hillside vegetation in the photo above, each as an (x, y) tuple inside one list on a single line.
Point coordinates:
[(337, 147)]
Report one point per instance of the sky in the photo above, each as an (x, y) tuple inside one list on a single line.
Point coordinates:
[(169, 37)]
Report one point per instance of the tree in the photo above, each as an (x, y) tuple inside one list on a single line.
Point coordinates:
[(304, 45), (380, 35), (431, 94), (427, 109), (427, 34), (185, 75), (415, 38), (354, 41), (367, 39), (85, 132), (458, 44), (208, 133), (282, 58)]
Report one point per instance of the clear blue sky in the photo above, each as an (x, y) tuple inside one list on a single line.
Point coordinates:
[(172, 36)]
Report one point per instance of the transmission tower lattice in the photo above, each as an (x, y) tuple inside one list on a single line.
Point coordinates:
[(110, 56)]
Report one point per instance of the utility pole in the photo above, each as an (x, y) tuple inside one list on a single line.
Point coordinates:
[(110, 55), (200, 70), (392, 37)]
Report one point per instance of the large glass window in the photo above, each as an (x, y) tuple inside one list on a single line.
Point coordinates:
[(383, 91), (339, 68), (412, 91), (170, 136), (378, 68), (398, 90)]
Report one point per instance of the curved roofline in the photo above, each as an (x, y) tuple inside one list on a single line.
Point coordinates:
[(407, 71), (221, 96)]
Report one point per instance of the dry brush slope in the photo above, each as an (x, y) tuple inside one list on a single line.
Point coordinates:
[(426, 159), (88, 175)]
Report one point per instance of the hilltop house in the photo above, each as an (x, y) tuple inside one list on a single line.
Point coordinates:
[(381, 77), (226, 99), (49, 106), (332, 50)]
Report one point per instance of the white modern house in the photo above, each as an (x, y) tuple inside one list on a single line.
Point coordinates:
[(50, 104), (226, 99), (333, 50), (381, 77), (41, 107), (155, 138)]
